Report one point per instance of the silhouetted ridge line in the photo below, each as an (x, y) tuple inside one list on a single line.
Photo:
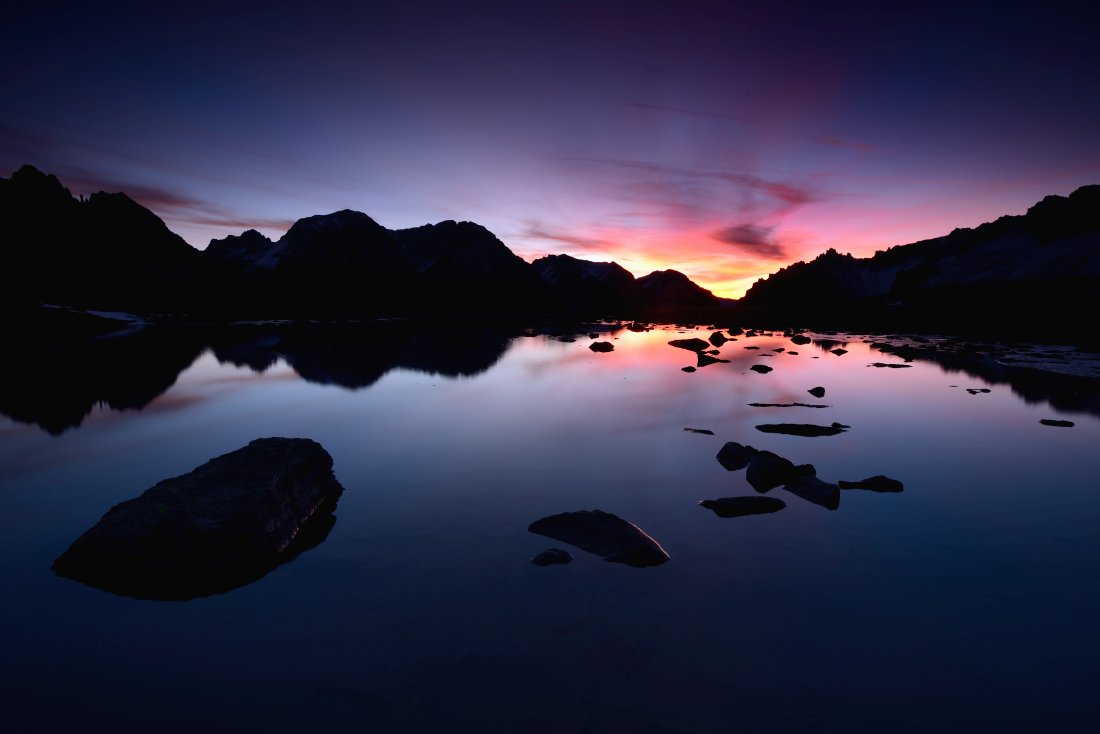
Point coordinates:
[(108, 252), (1032, 272)]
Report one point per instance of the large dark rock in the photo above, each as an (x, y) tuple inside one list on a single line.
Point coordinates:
[(761, 368), (817, 392), (718, 339), (808, 430), (604, 534), (602, 347), (224, 524), (877, 483), (741, 506)]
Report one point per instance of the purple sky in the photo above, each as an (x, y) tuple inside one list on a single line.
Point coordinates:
[(722, 139)]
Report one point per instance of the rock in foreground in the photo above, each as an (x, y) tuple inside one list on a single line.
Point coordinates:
[(225, 524), (741, 506), (604, 534)]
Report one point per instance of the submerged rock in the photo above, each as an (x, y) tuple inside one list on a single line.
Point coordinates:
[(704, 431), (551, 557), (809, 430), (605, 535), (817, 392), (702, 360), (877, 483), (734, 456), (692, 345), (787, 405), (1057, 423), (814, 490), (602, 347), (224, 524), (761, 368), (767, 471), (977, 390), (741, 506)]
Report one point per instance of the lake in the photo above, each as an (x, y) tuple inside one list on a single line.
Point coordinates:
[(967, 602)]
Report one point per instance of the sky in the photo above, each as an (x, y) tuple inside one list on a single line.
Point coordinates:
[(721, 139)]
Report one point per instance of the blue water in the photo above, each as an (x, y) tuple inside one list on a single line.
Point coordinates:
[(968, 602)]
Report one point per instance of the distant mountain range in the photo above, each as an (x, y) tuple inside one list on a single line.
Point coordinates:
[(110, 253), (1036, 272)]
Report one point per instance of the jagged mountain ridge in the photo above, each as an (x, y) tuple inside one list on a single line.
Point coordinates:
[(332, 265), (1031, 267)]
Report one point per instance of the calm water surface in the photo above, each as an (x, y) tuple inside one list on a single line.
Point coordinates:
[(968, 602)]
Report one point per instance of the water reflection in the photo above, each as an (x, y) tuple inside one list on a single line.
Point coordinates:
[(56, 386)]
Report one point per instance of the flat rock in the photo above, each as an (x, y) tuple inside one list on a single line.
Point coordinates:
[(734, 456), (812, 489), (809, 430), (551, 557), (704, 431), (742, 506), (753, 347), (977, 390), (602, 347), (817, 392), (604, 534), (891, 365), (224, 524), (761, 368), (566, 339), (1057, 423), (877, 483), (687, 369), (692, 345)]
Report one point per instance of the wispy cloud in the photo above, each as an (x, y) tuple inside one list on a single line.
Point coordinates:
[(754, 239), (538, 231)]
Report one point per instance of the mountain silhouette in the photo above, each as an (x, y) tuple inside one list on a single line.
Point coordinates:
[(1030, 272), (108, 252)]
